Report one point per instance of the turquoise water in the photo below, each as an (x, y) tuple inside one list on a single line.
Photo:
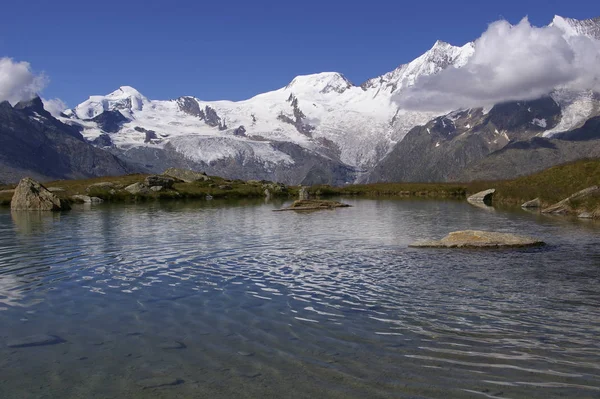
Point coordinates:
[(226, 300)]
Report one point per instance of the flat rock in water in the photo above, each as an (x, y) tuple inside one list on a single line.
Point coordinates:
[(159, 382), (479, 239), (313, 205), (35, 340), (172, 345)]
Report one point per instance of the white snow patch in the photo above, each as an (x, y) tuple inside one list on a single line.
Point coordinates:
[(211, 149), (539, 122)]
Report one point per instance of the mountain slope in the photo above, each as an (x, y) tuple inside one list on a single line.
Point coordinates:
[(36, 144), (347, 126)]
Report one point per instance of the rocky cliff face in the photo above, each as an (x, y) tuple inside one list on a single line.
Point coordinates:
[(440, 150)]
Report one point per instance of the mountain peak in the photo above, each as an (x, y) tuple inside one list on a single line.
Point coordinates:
[(34, 105), (440, 44), (126, 91), (324, 82), (125, 99), (574, 27)]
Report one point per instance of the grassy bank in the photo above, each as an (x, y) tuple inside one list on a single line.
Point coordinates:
[(215, 187), (551, 186)]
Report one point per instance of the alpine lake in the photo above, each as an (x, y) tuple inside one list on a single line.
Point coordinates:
[(218, 299)]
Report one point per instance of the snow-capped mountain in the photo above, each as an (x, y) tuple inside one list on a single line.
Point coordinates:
[(325, 114), (322, 117), (574, 27)]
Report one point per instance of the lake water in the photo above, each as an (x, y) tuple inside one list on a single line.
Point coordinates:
[(227, 300)]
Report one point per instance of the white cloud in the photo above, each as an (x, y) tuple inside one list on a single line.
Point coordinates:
[(510, 63), (18, 82), (54, 105)]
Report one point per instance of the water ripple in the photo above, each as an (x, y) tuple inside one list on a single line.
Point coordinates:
[(336, 294)]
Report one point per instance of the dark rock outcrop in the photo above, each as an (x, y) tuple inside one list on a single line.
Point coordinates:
[(240, 131), (103, 140), (298, 120), (110, 121), (150, 135), (190, 106), (35, 144), (444, 147), (157, 180)]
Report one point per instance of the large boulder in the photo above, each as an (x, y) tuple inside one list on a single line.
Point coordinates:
[(569, 205), (313, 205), (483, 197), (32, 196), (479, 239), (138, 189), (188, 176), (157, 180)]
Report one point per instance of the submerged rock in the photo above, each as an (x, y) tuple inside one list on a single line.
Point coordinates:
[(483, 197), (159, 382), (35, 340), (172, 345), (313, 205), (479, 239), (32, 196), (534, 203)]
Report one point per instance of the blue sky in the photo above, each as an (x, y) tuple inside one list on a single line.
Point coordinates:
[(234, 49)]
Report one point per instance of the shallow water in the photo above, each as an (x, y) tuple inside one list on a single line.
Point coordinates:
[(230, 300)]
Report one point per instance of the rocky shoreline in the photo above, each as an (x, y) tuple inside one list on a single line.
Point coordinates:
[(187, 184)]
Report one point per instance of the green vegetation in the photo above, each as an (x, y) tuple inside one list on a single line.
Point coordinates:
[(551, 186), (431, 190), (215, 187)]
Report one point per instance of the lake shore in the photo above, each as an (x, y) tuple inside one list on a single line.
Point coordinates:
[(549, 187)]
